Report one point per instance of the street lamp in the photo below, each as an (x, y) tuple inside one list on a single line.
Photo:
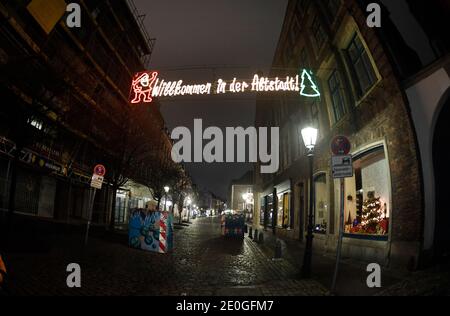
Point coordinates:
[(245, 197), (309, 136), (166, 190)]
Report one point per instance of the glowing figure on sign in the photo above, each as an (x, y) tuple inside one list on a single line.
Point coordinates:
[(142, 87), (311, 85)]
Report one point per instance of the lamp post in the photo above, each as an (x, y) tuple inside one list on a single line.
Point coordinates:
[(309, 136), (166, 190)]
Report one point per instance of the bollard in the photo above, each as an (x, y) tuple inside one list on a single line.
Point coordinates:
[(255, 238), (278, 250), (261, 238), (250, 232)]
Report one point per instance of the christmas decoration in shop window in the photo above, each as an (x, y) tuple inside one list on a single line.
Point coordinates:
[(374, 219)]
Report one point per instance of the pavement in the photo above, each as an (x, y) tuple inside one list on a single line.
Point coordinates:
[(353, 274), (203, 263)]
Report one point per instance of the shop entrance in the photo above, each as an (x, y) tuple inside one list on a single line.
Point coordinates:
[(441, 160)]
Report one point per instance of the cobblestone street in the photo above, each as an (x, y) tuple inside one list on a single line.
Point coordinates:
[(202, 263)]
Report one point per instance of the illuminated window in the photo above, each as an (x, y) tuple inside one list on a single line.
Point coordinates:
[(320, 204), (337, 98), (36, 123), (367, 195), (364, 74), (283, 212)]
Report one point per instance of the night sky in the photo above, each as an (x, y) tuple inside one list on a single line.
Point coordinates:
[(203, 40)]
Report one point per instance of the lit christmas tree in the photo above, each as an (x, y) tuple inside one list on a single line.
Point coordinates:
[(372, 213)]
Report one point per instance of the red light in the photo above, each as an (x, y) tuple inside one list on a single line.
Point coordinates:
[(142, 87)]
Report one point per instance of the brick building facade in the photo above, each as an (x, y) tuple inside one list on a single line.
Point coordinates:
[(362, 98)]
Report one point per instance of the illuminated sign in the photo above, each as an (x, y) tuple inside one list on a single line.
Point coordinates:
[(142, 87), (307, 82), (147, 85)]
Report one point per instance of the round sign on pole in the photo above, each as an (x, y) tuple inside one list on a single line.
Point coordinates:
[(340, 146), (100, 170)]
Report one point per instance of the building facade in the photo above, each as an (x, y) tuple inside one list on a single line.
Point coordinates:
[(362, 97), (65, 92)]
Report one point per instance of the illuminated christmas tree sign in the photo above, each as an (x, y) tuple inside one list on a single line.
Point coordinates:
[(147, 85)]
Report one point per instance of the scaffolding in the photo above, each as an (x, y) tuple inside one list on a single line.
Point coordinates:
[(145, 58)]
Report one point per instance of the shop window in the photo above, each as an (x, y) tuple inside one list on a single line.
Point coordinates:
[(320, 204), (367, 207), (269, 210), (266, 211), (262, 211), (283, 214), (337, 98), (287, 210), (364, 74)]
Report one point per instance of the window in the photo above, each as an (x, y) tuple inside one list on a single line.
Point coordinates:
[(367, 195), (362, 67), (36, 123), (269, 211), (266, 211), (320, 204), (337, 98), (318, 32), (283, 214), (262, 211)]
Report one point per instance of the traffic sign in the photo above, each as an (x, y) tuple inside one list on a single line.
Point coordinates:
[(100, 170), (342, 166), (97, 182), (340, 146)]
